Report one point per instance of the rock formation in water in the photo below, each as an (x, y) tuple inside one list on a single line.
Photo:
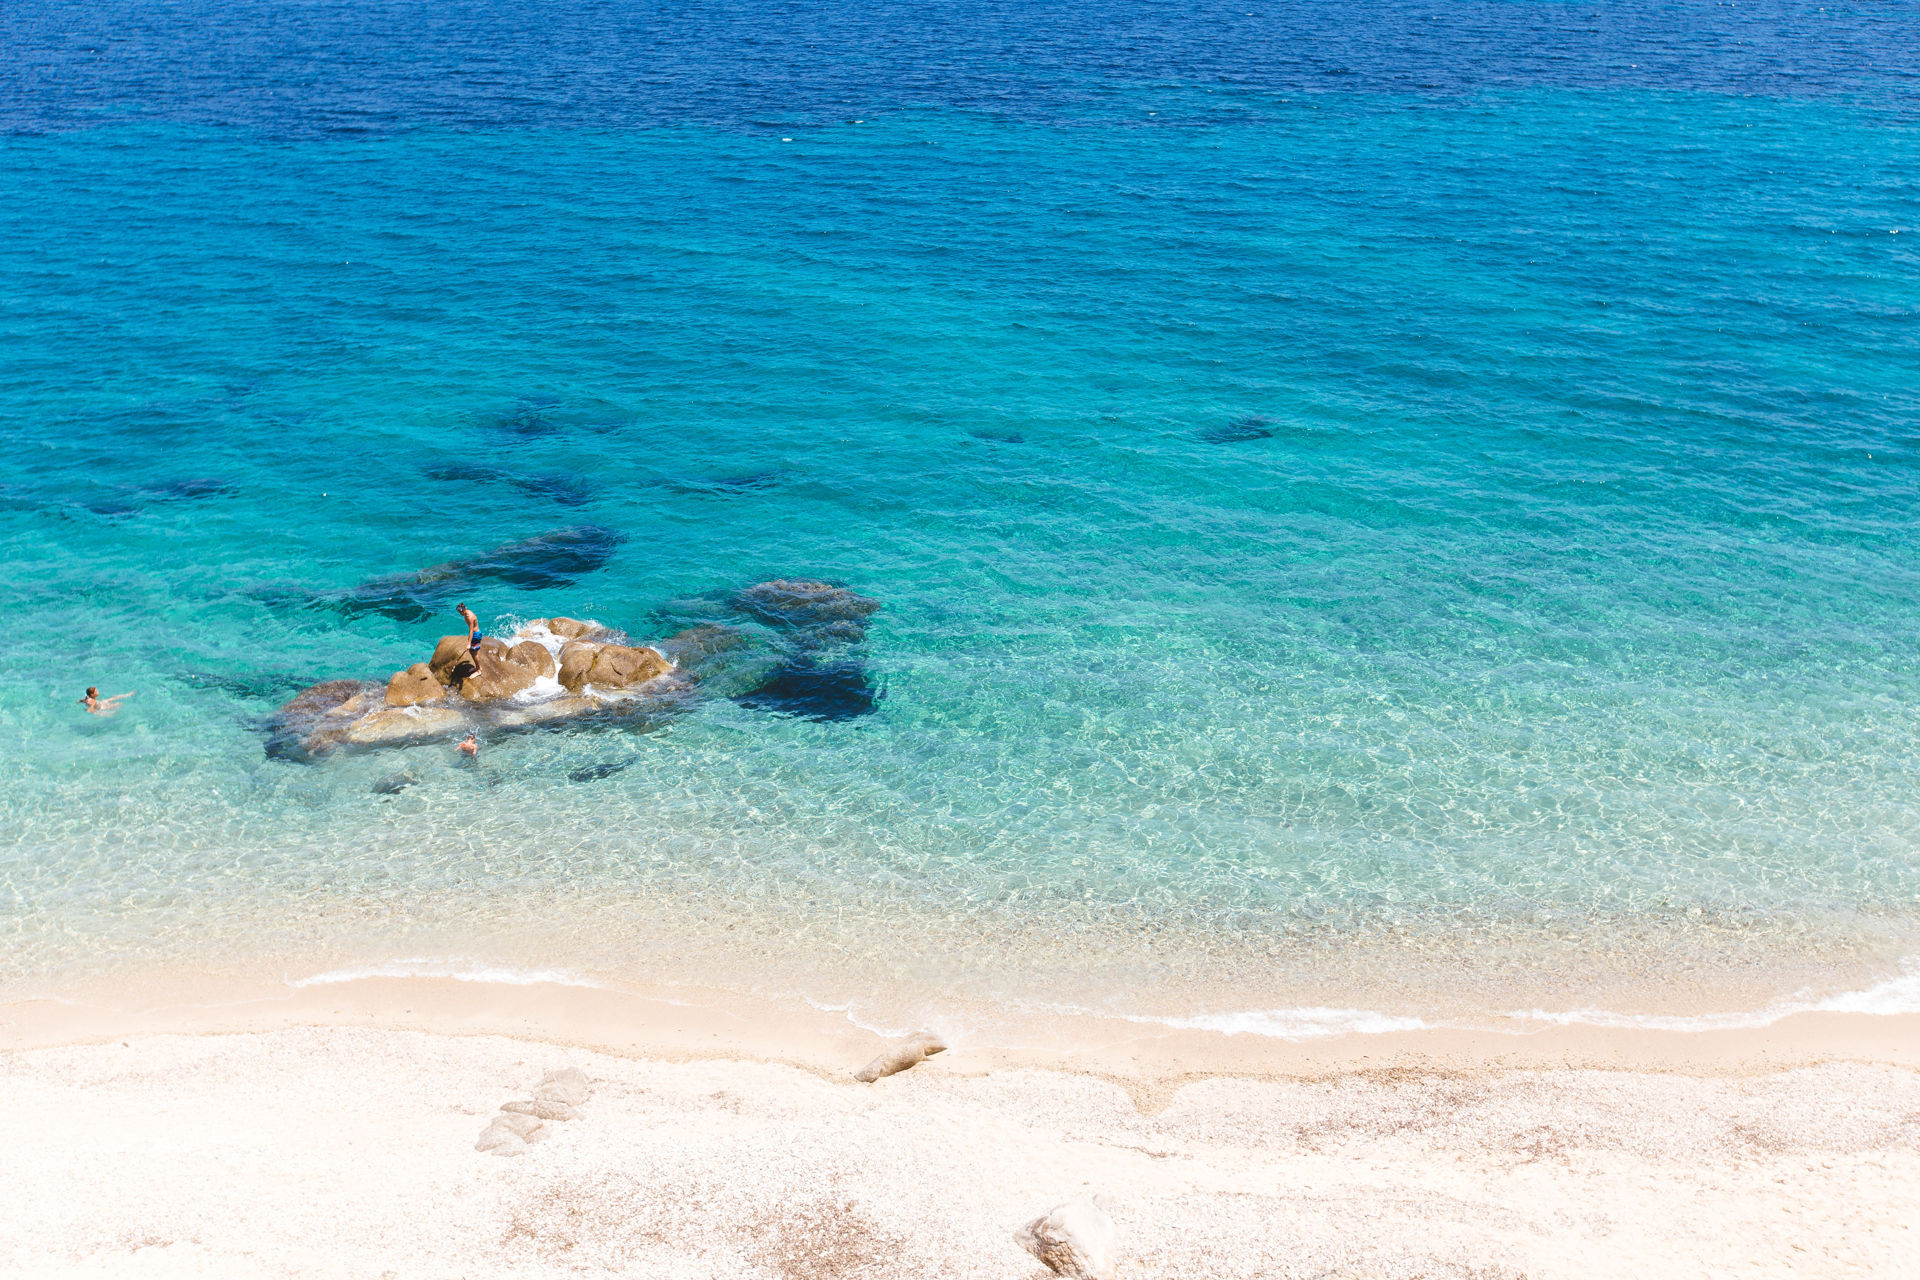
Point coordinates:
[(782, 646)]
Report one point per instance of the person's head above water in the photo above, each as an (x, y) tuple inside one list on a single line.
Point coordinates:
[(91, 693)]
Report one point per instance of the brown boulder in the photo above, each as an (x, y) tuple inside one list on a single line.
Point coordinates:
[(568, 628), (609, 666), (451, 652), (534, 656), (502, 672), (414, 686)]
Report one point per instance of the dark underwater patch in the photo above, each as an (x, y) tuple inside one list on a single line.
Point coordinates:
[(565, 490), (134, 499), (826, 692), (188, 490), (800, 605), (533, 416), (551, 560), (263, 686), (997, 437), (595, 772), (724, 486), (464, 473), (1237, 431), (287, 728), (393, 784)]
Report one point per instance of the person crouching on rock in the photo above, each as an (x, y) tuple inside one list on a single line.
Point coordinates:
[(473, 635)]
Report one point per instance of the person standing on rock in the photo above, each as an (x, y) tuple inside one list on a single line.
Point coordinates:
[(473, 635)]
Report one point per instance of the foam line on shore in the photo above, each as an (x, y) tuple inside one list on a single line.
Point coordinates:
[(1896, 995), (457, 970)]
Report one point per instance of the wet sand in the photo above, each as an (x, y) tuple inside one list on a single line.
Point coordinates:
[(329, 1131)]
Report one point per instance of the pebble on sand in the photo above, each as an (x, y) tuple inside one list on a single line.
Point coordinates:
[(911, 1052), (1077, 1240)]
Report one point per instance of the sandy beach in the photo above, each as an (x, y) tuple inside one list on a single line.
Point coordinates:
[(331, 1132)]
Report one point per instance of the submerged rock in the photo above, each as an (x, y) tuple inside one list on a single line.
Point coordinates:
[(816, 691), (1238, 431), (553, 559), (293, 729), (798, 604), (391, 725), (595, 772)]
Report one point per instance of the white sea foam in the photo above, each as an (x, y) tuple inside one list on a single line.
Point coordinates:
[(540, 636), (457, 970), (545, 689), (1310, 1023), (1894, 996), (846, 1011)]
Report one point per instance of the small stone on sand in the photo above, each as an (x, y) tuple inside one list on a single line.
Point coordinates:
[(1076, 1240), (568, 1085), (910, 1052), (543, 1108)]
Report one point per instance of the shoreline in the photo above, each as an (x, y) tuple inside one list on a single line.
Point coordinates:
[(335, 1130), (681, 1023)]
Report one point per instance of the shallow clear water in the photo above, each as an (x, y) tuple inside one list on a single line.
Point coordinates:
[(1442, 530)]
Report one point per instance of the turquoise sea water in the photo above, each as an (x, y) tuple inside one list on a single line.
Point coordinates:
[(1331, 540)]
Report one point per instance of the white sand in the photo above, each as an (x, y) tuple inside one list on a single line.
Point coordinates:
[(348, 1151)]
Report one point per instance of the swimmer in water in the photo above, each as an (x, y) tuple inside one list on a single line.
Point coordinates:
[(100, 706), (470, 747)]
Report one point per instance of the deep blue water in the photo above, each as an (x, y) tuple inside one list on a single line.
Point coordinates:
[(1331, 472)]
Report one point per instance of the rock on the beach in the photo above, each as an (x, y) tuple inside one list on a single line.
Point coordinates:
[(414, 686), (911, 1052), (509, 1134), (1076, 1240), (541, 1109), (608, 666), (568, 1085)]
